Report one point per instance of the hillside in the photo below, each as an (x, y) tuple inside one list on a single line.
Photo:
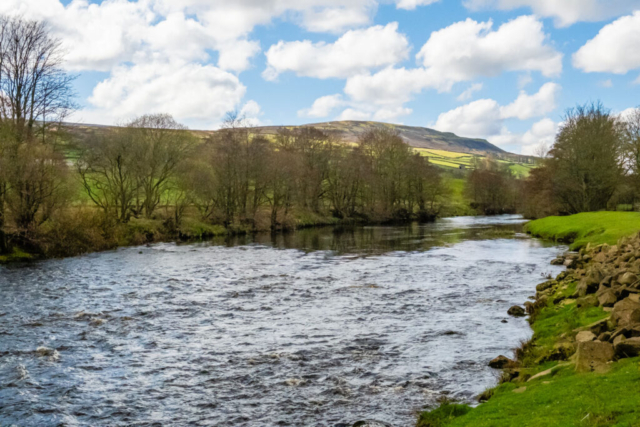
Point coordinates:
[(350, 131), (418, 137)]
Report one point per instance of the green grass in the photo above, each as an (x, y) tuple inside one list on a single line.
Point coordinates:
[(589, 227), (17, 255), (564, 399)]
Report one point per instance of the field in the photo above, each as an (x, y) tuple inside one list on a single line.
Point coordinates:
[(589, 227), (455, 160)]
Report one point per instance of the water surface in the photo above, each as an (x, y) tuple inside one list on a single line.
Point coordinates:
[(312, 328)]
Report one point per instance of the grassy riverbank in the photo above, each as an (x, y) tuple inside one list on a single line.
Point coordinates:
[(562, 394), (85, 231), (589, 227)]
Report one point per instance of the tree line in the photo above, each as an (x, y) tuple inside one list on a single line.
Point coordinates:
[(56, 187), (594, 164)]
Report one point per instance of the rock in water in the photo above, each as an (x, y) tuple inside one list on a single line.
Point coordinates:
[(500, 362), (516, 311), (370, 423)]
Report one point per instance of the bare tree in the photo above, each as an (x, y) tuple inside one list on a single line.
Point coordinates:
[(33, 86), (160, 145)]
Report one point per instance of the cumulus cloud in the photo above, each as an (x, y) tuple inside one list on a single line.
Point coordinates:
[(485, 118), (528, 106), (323, 106), (614, 49), (195, 94), (468, 93), (565, 12), (412, 4), (468, 49), (461, 52), (541, 134), (355, 52)]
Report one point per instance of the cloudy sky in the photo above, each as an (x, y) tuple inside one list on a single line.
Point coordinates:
[(505, 70)]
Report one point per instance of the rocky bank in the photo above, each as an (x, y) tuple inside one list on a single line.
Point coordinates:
[(605, 276)]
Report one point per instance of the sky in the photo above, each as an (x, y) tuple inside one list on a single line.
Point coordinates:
[(504, 70)]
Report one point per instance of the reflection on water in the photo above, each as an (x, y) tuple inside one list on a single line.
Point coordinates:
[(310, 328), (382, 239)]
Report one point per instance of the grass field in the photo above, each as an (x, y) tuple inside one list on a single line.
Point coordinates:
[(580, 229), (454, 160)]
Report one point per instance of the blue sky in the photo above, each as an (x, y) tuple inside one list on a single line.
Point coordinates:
[(505, 70)]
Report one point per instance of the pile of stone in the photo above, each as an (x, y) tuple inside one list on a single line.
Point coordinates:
[(607, 276)]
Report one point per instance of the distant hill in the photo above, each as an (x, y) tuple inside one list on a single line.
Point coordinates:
[(419, 137), (350, 131)]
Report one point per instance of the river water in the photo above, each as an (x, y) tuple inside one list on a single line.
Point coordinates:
[(313, 328)]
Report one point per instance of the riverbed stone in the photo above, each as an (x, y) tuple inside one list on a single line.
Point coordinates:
[(516, 311), (629, 347), (370, 423), (501, 362), (593, 356), (626, 312)]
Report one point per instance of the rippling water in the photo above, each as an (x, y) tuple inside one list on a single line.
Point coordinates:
[(313, 328)]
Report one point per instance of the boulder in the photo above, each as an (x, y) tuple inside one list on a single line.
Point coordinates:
[(569, 263), (628, 348), (628, 278), (585, 336), (370, 423), (594, 277), (501, 362), (626, 312), (546, 285), (607, 298), (557, 261), (586, 302), (586, 287), (516, 311), (593, 356)]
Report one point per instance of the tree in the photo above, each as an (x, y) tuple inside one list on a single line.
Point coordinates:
[(35, 92), (160, 145), (35, 95), (632, 149), (587, 159), (108, 167), (492, 187)]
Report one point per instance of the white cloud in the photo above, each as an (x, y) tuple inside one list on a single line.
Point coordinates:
[(461, 52), (565, 12), (606, 83), (614, 49), (485, 118), (355, 52), (198, 95), (323, 106), (528, 106), (469, 49), (354, 114), (481, 118), (468, 93), (542, 133), (412, 4), (524, 80)]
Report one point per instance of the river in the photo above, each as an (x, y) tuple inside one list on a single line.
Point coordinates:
[(313, 328)]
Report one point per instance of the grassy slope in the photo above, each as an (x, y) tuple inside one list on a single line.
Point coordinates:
[(455, 160), (563, 398), (589, 227)]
